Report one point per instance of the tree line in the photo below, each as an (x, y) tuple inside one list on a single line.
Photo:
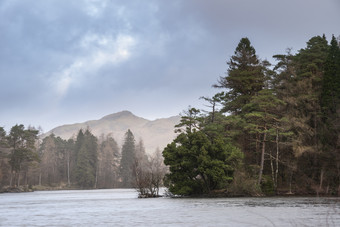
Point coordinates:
[(84, 161), (271, 129)]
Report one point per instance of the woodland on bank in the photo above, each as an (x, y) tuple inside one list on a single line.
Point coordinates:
[(82, 162), (271, 129)]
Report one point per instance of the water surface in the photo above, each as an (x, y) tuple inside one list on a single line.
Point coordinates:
[(121, 207)]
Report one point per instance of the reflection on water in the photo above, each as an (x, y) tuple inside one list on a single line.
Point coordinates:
[(121, 207)]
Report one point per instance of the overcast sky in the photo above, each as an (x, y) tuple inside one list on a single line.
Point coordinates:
[(68, 61)]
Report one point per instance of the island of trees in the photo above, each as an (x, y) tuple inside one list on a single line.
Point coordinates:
[(270, 130)]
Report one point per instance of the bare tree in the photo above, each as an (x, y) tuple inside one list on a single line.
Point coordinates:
[(108, 163), (149, 175)]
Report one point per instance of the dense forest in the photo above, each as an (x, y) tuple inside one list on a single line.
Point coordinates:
[(82, 162), (271, 129)]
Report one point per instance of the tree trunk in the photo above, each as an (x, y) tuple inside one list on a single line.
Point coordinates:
[(290, 182), (68, 171), (213, 113), (257, 144), (262, 156), (11, 179), (315, 128), (96, 179), (18, 178), (272, 167), (26, 178), (321, 179), (19, 175), (277, 159), (206, 183), (338, 165)]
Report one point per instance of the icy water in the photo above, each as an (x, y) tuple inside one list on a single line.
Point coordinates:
[(121, 207)]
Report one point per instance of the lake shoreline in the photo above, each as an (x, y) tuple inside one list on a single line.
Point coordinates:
[(25, 189), (19, 189)]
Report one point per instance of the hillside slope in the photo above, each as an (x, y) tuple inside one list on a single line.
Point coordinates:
[(156, 133)]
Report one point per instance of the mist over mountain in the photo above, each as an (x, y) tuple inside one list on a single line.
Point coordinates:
[(155, 134)]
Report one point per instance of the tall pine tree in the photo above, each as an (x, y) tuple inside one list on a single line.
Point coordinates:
[(22, 143), (86, 165), (128, 160), (330, 104), (310, 63), (245, 77), (331, 81)]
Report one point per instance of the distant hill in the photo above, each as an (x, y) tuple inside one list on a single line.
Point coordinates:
[(157, 133)]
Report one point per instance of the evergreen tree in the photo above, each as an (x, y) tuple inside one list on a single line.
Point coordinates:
[(245, 77), (128, 160), (330, 104), (285, 86), (307, 116), (69, 159), (86, 165), (3, 142), (3, 157), (74, 155), (22, 144), (63, 153), (331, 81), (198, 163), (262, 120), (310, 63), (304, 83)]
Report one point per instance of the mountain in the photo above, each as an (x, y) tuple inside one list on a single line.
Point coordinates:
[(157, 133)]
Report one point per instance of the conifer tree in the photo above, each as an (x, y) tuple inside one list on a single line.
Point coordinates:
[(245, 77), (86, 165), (3, 156), (330, 104), (310, 63), (22, 144), (128, 160), (331, 81), (74, 155), (262, 119), (303, 83), (199, 163), (285, 86)]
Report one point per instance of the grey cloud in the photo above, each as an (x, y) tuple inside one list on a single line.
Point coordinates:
[(180, 50)]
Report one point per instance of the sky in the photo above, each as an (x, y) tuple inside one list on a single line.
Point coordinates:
[(69, 61)]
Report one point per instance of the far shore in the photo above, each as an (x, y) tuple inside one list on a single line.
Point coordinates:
[(22, 189)]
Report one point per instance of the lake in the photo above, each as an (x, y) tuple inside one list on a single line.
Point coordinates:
[(121, 207)]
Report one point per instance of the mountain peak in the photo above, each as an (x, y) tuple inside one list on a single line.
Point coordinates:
[(155, 134), (118, 115)]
